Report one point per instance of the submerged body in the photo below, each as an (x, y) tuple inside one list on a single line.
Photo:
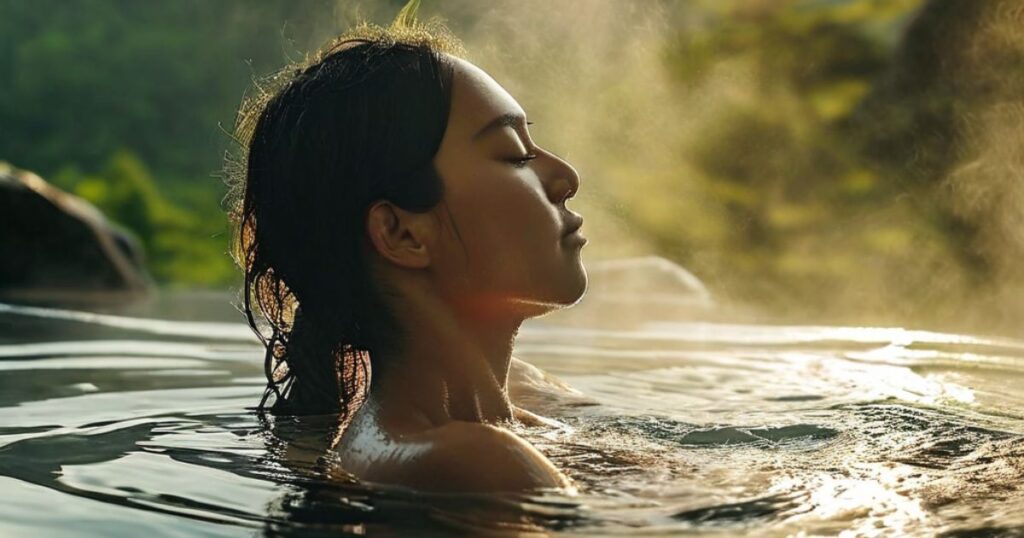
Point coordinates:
[(395, 443), (453, 455)]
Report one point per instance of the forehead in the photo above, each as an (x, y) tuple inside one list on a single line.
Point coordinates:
[(476, 99)]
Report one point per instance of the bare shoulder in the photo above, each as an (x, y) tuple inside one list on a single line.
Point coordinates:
[(465, 456), (454, 457)]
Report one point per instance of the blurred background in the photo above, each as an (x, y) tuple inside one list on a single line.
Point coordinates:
[(848, 161)]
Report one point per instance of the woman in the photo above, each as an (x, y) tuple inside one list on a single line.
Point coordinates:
[(396, 219)]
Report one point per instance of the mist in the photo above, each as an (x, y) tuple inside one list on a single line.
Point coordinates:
[(858, 162), (852, 162)]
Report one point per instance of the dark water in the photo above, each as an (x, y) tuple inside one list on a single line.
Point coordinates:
[(132, 426)]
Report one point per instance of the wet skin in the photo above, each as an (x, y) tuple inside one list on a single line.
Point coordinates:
[(461, 279)]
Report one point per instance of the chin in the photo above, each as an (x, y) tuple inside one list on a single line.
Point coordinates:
[(578, 287), (563, 292), (571, 289)]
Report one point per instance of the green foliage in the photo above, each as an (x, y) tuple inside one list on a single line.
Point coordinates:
[(185, 239), (128, 103), (783, 156), (84, 78), (849, 150)]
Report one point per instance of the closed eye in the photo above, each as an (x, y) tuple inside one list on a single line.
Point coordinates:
[(520, 162)]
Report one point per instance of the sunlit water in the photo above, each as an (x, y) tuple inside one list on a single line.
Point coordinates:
[(131, 426)]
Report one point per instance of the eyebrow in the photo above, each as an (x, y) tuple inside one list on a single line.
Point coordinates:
[(508, 119)]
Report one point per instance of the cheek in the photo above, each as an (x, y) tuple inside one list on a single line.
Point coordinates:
[(509, 231)]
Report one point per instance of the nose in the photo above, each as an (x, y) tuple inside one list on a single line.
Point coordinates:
[(561, 179)]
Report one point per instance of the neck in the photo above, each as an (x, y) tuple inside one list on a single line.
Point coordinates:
[(453, 364)]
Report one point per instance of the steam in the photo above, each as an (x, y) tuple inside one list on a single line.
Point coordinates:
[(934, 237)]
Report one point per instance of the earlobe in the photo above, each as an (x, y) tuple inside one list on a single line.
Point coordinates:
[(395, 235)]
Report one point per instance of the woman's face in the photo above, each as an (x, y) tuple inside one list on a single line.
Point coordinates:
[(505, 243)]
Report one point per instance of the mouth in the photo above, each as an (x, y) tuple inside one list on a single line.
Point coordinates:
[(572, 224)]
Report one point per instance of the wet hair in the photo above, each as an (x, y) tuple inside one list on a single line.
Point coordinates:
[(356, 122)]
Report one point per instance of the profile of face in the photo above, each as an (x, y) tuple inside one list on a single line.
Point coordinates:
[(498, 240)]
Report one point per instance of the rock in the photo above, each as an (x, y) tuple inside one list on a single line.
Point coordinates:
[(54, 245)]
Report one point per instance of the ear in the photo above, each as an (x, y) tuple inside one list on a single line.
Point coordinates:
[(398, 235)]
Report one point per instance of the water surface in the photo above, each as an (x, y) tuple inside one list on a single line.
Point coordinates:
[(128, 425)]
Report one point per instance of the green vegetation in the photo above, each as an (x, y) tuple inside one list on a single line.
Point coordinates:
[(185, 240), (128, 104), (844, 172)]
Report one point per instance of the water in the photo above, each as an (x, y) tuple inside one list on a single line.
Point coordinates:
[(128, 426)]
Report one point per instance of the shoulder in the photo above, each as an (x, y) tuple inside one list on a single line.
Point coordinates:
[(465, 456)]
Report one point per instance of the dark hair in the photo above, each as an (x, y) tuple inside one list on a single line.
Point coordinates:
[(359, 121)]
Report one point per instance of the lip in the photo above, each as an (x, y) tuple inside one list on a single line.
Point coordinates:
[(572, 224), (575, 238)]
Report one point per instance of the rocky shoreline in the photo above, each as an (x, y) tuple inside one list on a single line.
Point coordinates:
[(56, 247)]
